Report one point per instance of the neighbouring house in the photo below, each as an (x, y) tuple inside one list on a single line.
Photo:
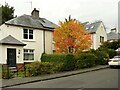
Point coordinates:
[(113, 35), (98, 33), (24, 39)]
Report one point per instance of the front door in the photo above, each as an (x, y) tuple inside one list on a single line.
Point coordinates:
[(11, 57)]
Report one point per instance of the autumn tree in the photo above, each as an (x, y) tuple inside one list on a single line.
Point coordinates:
[(71, 37)]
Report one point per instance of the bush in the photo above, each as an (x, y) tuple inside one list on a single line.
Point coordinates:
[(85, 60), (40, 68), (6, 73), (110, 52), (102, 57)]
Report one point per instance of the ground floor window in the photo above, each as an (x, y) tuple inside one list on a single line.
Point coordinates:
[(28, 54)]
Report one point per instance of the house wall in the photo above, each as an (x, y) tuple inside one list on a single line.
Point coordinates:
[(93, 41), (1, 53), (100, 32), (36, 44), (48, 41)]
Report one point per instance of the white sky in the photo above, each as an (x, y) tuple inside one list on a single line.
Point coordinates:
[(82, 10)]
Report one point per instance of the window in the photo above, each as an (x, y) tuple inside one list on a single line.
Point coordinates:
[(101, 39), (27, 34), (28, 54), (92, 27), (30, 34)]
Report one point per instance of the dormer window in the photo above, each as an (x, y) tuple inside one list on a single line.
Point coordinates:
[(92, 27), (87, 28), (27, 34)]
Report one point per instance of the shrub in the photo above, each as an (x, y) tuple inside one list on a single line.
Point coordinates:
[(6, 73), (110, 52), (102, 57), (39, 68), (85, 60)]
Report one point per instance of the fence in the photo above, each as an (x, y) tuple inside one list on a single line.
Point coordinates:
[(8, 72)]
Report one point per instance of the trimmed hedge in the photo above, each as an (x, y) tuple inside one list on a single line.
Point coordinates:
[(85, 60), (53, 58), (71, 61), (66, 59)]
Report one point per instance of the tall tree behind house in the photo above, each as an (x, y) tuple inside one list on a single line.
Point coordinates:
[(7, 12)]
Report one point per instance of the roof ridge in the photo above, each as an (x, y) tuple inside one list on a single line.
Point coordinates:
[(28, 21)]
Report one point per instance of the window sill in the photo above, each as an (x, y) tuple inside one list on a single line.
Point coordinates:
[(28, 61), (28, 40)]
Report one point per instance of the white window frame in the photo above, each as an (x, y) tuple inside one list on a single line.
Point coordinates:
[(29, 52), (28, 34)]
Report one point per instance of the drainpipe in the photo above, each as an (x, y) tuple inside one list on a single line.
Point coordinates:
[(44, 41)]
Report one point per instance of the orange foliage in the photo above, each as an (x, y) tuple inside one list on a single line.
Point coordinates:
[(71, 37)]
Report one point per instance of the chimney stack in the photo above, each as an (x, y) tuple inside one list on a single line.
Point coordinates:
[(35, 14)]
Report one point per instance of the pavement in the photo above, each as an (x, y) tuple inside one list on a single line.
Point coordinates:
[(25, 80)]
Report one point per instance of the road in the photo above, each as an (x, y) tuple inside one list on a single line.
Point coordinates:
[(105, 78)]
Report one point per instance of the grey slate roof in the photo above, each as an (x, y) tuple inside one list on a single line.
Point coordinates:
[(10, 40), (113, 36), (28, 21), (92, 27)]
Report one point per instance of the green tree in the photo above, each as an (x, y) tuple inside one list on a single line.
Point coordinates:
[(111, 45), (7, 12)]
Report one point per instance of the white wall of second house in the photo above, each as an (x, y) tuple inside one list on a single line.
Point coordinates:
[(100, 32), (93, 46)]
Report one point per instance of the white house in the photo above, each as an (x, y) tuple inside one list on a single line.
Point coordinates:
[(98, 33), (25, 38)]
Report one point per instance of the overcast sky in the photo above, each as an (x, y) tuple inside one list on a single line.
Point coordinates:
[(58, 10)]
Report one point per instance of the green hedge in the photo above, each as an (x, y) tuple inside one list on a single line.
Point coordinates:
[(102, 57), (40, 68), (110, 52), (53, 58), (71, 61), (85, 60), (53, 63), (66, 59)]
